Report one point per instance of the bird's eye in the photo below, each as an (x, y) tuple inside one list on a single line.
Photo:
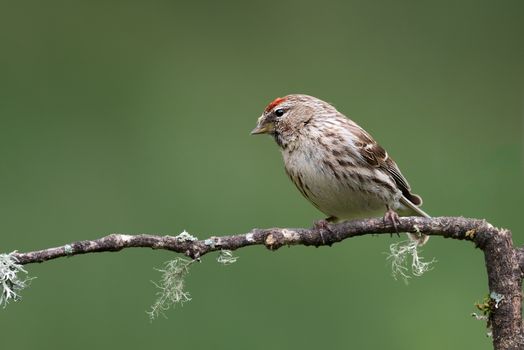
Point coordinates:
[(279, 112)]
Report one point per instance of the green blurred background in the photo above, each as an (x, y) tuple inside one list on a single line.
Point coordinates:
[(134, 116)]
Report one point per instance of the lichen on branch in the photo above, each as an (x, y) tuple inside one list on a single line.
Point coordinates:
[(11, 281), (171, 287)]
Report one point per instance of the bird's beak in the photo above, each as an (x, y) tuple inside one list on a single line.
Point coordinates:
[(263, 127), (260, 129)]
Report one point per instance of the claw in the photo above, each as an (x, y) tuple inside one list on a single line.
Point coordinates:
[(391, 217), (320, 226)]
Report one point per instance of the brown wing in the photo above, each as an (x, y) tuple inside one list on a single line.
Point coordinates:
[(377, 157)]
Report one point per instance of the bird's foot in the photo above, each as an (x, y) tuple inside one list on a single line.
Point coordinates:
[(391, 217), (322, 226)]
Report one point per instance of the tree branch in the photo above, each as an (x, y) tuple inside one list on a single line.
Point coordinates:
[(504, 263), (272, 238)]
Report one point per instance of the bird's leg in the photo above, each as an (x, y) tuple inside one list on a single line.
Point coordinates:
[(323, 225), (392, 217)]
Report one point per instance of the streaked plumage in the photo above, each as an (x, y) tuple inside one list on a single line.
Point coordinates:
[(335, 163)]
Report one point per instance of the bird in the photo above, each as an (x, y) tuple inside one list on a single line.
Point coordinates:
[(335, 164)]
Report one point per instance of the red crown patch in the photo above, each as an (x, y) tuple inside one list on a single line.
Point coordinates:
[(275, 103)]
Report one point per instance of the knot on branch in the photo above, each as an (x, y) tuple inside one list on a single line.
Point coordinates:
[(276, 238)]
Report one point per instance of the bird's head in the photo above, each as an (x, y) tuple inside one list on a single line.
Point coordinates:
[(285, 117)]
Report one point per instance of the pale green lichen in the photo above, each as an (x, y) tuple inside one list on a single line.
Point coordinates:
[(479, 317), (486, 307), (172, 287), (10, 282), (68, 249), (399, 254), (497, 298), (226, 257), (186, 237)]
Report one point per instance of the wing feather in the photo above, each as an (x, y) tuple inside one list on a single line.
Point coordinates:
[(377, 157)]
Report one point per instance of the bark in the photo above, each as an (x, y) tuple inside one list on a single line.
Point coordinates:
[(504, 262)]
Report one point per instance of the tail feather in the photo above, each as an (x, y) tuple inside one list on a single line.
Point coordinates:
[(420, 238), (414, 207)]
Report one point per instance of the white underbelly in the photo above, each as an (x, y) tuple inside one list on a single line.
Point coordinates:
[(344, 197)]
